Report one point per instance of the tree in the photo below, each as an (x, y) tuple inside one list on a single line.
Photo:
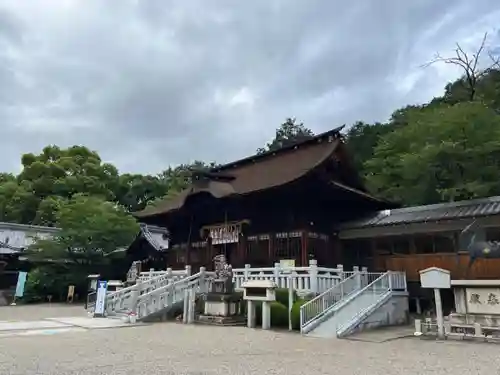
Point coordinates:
[(136, 191), (66, 172), (445, 153), (471, 67), (362, 138), (91, 230), (289, 133), (18, 204), (179, 178), (55, 174)]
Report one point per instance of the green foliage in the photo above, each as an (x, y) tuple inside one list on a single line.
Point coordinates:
[(91, 232), (279, 314), (295, 313), (66, 172), (290, 132), (52, 280), (282, 296), (135, 191), (445, 153)]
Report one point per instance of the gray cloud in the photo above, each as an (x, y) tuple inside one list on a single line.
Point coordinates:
[(153, 83)]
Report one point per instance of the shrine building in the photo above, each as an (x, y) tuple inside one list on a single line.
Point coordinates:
[(278, 205)]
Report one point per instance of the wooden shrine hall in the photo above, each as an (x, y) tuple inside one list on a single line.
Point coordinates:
[(279, 205)]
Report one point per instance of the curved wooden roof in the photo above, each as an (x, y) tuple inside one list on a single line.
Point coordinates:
[(257, 173)]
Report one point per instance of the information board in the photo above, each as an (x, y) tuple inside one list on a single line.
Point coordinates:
[(100, 303)]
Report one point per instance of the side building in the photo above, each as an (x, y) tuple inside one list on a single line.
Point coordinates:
[(149, 247), (415, 238), (280, 205)]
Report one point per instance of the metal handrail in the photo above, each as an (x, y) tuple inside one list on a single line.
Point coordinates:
[(313, 309), (384, 288)]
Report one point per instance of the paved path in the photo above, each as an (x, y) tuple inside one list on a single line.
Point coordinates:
[(21, 320), (40, 311), (172, 348)]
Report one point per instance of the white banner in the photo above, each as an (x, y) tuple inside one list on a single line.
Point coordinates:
[(100, 302), (225, 234)]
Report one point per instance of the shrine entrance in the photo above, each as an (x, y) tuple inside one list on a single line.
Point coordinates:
[(225, 239)]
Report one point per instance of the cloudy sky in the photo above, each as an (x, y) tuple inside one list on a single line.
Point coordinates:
[(152, 83)]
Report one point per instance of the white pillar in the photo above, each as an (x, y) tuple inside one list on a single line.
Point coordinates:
[(418, 327), (478, 331), (185, 312), (313, 276), (266, 315), (355, 269), (192, 305), (250, 314), (439, 313)]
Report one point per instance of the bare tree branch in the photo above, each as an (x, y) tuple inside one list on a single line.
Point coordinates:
[(469, 63)]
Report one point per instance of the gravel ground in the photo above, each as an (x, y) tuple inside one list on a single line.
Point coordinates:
[(172, 348)]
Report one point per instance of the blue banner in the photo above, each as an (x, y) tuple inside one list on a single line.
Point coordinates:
[(21, 281)]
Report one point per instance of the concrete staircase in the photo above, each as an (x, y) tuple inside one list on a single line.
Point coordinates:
[(364, 300)]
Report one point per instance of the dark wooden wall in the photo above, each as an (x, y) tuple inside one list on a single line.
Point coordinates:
[(414, 252), (412, 264)]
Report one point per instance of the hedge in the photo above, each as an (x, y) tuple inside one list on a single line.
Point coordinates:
[(282, 296), (279, 314), (296, 313)]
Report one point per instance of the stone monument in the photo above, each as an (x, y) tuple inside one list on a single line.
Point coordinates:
[(222, 305), (477, 307)]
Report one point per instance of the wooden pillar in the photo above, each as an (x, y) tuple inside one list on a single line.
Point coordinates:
[(241, 252), (271, 250), (304, 253)]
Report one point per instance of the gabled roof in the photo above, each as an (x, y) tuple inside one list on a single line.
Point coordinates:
[(157, 237), (15, 238), (259, 172), (429, 213)]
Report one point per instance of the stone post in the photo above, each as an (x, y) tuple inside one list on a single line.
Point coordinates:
[(246, 273), (357, 276), (313, 275), (191, 308), (364, 275), (188, 270), (340, 270), (134, 297), (185, 309), (418, 327), (277, 271), (203, 280), (250, 314), (169, 273), (266, 315)]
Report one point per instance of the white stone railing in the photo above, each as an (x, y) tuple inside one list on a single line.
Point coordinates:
[(120, 300), (182, 291), (168, 295), (304, 279), (174, 274)]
